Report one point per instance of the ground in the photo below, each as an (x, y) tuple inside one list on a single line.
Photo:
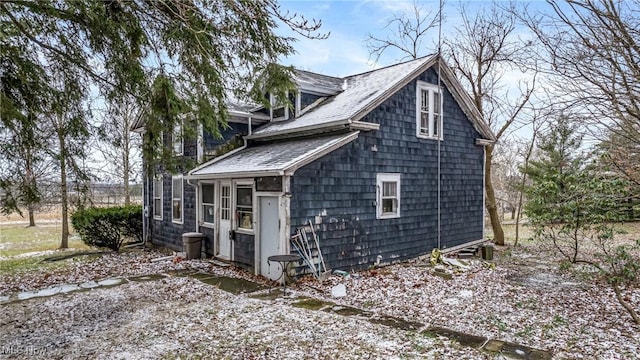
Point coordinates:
[(131, 307)]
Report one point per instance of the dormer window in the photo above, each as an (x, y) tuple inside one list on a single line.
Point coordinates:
[(281, 111)]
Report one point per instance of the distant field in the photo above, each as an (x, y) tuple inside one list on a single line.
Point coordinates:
[(45, 214), (24, 248), (631, 232), (17, 239)]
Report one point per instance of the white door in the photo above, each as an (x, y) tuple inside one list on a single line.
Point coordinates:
[(224, 242), (269, 236)]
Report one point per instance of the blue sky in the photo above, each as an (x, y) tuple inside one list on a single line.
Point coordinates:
[(345, 52)]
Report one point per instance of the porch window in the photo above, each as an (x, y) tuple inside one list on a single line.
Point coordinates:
[(244, 207), (176, 199), (429, 111), (208, 203), (157, 197), (388, 196)]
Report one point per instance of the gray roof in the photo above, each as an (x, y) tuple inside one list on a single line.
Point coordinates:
[(326, 84), (272, 159), (359, 92)]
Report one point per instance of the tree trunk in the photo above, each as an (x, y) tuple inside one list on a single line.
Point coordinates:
[(125, 168), (498, 233), (64, 196), (626, 305), (32, 218), (30, 184)]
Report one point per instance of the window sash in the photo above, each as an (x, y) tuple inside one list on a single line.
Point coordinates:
[(389, 206), (208, 203), (176, 199), (388, 195), (429, 111), (225, 202), (177, 136), (157, 197), (436, 114), (244, 207)]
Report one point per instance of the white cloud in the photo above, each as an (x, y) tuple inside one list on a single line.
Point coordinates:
[(339, 55)]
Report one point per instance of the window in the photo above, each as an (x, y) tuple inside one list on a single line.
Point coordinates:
[(280, 111), (244, 207), (225, 202), (208, 208), (177, 136), (157, 197), (429, 111), (388, 196), (176, 199)]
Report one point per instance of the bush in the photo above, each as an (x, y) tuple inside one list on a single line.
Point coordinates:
[(109, 227)]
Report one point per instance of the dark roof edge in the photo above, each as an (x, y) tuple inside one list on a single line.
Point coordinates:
[(428, 62), (465, 102)]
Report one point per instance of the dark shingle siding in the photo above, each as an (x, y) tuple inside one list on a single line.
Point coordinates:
[(343, 185), (168, 234), (244, 250), (209, 242), (211, 142), (165, 232)]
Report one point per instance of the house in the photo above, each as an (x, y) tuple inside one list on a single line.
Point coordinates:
[(359, 156)]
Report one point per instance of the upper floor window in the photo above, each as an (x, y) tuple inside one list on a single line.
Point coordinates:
[(177, 137), (429, 111), (388, 196), (284, 111), (157, 197), (176, 198)]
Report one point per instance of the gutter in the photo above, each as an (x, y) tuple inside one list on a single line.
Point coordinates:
[(212, 161), (239, 174), (484, 142), (353, 124), (276, 133), (288, 169), (195, 187)]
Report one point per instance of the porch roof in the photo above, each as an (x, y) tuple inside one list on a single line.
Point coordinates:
[(271, 159)]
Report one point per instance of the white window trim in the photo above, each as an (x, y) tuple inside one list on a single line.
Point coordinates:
[(201, 204), (273, 101), (234, 197), (158, 179), (297, 106), (178, 129), (431, 89), (181, 220), (387, 177)]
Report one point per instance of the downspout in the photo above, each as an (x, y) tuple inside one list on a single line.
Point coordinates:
[(195, 187), (484, 193), (440, 133), (145, 215)]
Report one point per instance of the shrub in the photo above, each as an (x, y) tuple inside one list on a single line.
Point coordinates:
[(109, 227)]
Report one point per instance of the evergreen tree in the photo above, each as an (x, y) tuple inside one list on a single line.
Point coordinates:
[(173, 57), (573, 206)]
